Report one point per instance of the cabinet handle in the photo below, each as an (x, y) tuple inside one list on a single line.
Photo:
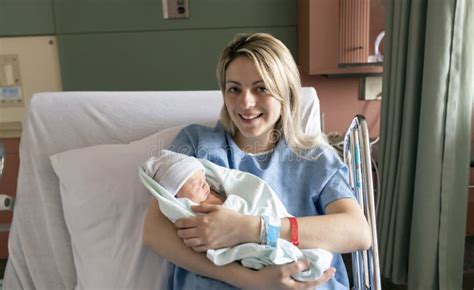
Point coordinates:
[(2, 159), (355, 48)]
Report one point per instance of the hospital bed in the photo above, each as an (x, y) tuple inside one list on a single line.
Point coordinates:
[(78, 215)]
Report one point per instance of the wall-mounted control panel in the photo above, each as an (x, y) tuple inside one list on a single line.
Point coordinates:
[(10, 81), (175, 9)]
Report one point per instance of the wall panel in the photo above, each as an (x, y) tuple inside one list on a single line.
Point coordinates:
[(127, 45), (26, 17), (161, 60), (81, 16)]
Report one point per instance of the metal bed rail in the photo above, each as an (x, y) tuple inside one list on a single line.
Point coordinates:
[(365, 264)]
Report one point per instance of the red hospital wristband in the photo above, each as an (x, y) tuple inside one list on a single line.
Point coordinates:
[(294, 230)]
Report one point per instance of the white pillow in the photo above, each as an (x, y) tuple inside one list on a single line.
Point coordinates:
[(104, 206)]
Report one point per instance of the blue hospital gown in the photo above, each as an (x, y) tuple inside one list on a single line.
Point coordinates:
[(304, 186)]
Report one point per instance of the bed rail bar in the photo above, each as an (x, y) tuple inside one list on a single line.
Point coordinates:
[(365, 264)]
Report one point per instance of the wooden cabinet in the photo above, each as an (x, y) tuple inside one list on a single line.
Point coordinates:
[(320, 50), (8, 184), (470, 205)]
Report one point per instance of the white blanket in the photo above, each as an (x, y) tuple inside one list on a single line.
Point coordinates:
[(250, 195)]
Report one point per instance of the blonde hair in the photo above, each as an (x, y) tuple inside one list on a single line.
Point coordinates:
[(280, 74)]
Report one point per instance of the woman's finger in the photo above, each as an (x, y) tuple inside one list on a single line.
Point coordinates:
[(200, 249), (296, 267), (193, 242), (186, 223), (205, 208), (187, 233), (327, 275)]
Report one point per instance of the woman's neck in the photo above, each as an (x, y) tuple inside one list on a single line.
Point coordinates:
[(255, 145)]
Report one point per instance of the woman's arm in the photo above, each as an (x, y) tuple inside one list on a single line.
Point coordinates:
[(342, 229), (160, 234)]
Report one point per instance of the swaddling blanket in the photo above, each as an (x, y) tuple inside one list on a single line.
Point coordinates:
[(250, 195)]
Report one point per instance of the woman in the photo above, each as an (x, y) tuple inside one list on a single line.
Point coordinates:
[(260, 132)]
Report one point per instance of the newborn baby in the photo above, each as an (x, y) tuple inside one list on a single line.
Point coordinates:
[(182, 176), (179, 181)]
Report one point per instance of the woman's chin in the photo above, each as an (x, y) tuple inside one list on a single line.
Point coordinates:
[(250, 132)]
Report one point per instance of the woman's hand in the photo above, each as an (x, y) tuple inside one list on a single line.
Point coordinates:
[(279, 277), (218, 227)]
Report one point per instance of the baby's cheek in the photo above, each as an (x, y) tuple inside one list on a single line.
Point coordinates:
[(203, 195)]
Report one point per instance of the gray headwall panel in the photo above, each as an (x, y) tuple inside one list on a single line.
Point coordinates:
[(82, 16), (26, 17), (161, 60), (128, 45)]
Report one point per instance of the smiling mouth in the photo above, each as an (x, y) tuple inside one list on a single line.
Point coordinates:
[(250, 117)]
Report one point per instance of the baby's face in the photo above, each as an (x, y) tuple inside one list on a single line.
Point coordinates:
[(195, 188)]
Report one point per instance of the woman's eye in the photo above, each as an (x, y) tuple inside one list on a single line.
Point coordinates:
[(233, 90), (262, 90)]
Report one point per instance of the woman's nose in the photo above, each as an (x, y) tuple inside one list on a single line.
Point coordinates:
[(247, 99)]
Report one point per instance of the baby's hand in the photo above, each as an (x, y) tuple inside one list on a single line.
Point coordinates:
[(214, 198)]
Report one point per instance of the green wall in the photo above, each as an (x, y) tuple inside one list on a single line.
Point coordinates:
[(26, 17), (161, 60), (127, 45)]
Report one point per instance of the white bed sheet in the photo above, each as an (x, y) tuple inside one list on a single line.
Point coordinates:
[(40, 254)]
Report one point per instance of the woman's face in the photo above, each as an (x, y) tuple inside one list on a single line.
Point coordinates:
[(251, 107)]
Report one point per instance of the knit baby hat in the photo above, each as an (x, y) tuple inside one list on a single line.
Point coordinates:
[(171, 169)]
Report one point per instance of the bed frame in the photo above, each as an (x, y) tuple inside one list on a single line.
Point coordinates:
[(40, 253)]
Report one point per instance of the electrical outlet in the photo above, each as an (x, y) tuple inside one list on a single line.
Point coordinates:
[(371, 88), (175, 9)]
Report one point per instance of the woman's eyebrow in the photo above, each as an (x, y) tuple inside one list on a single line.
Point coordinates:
[(234, 82), (238, 83)]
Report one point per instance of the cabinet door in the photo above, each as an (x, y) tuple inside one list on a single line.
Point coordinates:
[(319, 42), (354, 20), (470, 206)]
